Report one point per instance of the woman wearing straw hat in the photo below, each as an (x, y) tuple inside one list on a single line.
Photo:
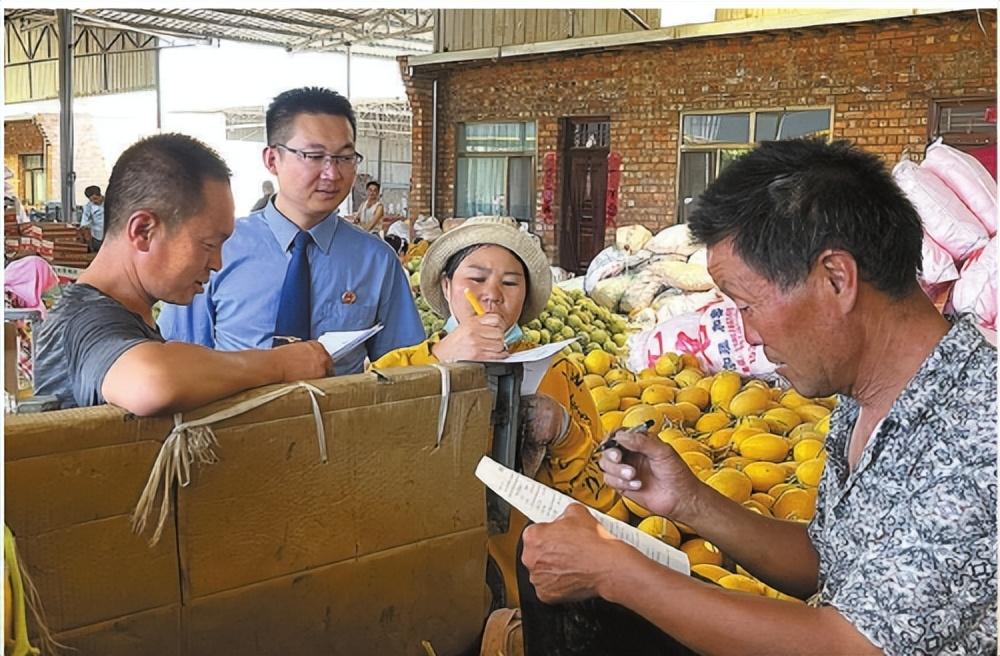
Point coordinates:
[(509, 282)]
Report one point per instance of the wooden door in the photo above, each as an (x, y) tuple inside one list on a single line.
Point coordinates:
[(585, 188)]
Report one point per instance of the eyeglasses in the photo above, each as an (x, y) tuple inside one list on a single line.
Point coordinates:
[(319, 160)]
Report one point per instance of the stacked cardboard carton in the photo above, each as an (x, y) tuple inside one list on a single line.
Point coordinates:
[(269, 550)]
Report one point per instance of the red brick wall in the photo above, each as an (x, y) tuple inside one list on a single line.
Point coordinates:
[(88, 159), (420, 92), (21, 137), (879, 77), (40, 135)]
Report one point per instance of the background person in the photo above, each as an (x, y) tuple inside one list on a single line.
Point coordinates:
[(267, 188), (820, 250), (93, 217), (369, 215), (296, 269), (169, 210)]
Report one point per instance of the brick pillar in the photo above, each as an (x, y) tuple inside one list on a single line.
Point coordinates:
[(419, 92), (548, 141)]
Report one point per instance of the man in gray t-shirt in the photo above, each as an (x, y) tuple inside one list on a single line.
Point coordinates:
[(80, 340), (169, 208)]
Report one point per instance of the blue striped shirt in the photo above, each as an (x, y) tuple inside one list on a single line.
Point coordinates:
[(356, 282)]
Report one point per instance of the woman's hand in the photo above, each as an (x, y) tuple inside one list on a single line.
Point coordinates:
[(476, 339)]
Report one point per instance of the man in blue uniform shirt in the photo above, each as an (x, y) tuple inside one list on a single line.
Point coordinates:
[(93, 217), (296, 256)]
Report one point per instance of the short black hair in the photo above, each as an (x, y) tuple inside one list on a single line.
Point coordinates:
[(398, 243), (373, 183), (785, 202), (164, 174), (305, 100), (92, 190)]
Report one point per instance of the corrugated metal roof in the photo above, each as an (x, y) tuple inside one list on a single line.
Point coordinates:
[(370, 32), (375, 116)]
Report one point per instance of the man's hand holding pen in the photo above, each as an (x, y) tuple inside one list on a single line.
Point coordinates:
[(650, 472)]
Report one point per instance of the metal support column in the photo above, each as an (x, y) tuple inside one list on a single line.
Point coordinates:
[(65, 21), (380, 140), (159, 99), (350, 196), (434, 147), (348, 50)]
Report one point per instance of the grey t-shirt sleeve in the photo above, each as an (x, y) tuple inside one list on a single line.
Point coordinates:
[(93, 343)]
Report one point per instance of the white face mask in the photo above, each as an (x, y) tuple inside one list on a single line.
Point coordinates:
[(514, 333)]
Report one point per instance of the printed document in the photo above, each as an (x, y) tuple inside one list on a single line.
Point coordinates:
[(540, 503), (536, 363)]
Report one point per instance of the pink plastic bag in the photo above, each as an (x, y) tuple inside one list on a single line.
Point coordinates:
[(976, 289), (936, 264), (944, 216), (968, 178), (714, 336)]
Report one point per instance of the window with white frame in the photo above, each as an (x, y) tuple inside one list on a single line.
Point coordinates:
[(710, 142), (964, 122), (496, 170), (33, 180)]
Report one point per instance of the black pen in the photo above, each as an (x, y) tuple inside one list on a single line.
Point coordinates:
[(612, 443)]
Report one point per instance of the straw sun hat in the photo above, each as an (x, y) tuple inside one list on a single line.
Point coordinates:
[(499, 231)]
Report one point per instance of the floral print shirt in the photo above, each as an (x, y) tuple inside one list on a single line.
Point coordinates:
[(907, 541)]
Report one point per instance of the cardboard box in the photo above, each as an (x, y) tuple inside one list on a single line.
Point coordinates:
[(385, 603), (150, 633), (269, 550)]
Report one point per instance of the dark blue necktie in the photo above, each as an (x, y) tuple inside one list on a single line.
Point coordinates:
[(294, 311)]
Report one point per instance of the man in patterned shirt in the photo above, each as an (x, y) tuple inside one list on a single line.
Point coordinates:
[(820, 250)]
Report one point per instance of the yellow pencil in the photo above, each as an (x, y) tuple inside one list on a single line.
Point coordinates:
[(474, 302)]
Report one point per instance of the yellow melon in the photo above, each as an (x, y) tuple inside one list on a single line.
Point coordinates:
[(654, 394), (764, 475), (731, 483), (702, 552), (711, 572), (711, 422), (661, 528), (605, 399), (598, 362), (765, 446), (612, 420), (693, 395), (642, 413)]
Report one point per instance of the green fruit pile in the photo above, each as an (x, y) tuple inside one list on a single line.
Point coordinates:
[(568, 314), (572, 314), (428, 317), (431, 320)]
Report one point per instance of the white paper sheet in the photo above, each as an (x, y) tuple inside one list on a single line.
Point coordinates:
[(536, 363), (540, 503), (339, 343)]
